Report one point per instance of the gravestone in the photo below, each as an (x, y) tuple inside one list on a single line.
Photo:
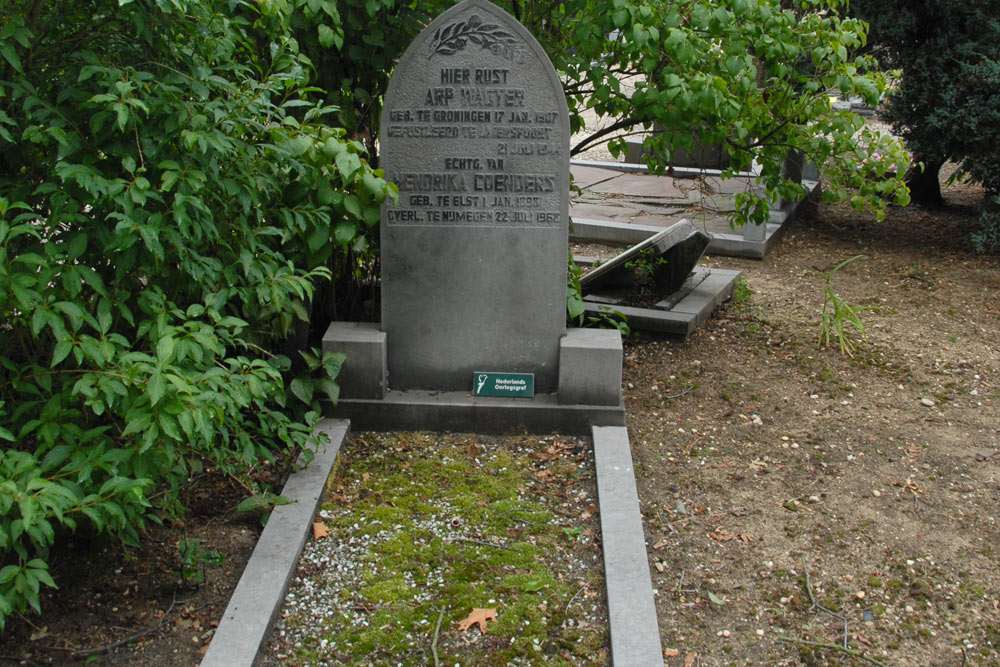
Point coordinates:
[(667, 259), (475, 133)]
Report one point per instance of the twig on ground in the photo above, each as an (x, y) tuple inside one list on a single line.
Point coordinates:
[(86, 653), (816, 605), (482, 542), (434, 642), (686, 391), (836, 647), (570, 603)]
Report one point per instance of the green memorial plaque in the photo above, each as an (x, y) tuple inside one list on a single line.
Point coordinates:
[(518, 385)]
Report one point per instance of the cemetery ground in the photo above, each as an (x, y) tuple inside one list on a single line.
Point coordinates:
[(794, 498)]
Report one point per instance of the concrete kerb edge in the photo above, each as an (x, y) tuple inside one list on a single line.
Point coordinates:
[(632, 620), (255, 603)]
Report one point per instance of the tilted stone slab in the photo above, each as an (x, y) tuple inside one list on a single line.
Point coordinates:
[(671, 255)]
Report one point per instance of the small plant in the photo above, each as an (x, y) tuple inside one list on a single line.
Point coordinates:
[(574, 293), (194, 559), (742, 294), (608, 318), (644, 268), (838, 315)]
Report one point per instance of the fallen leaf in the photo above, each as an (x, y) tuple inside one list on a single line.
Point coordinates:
[(478, 617), (670, 653), (689, 659), (716, 599), (320, 530)]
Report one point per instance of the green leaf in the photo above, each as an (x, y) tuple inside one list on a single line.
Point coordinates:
[(156, 387), (302, 390), (165, 348), (9, 572), (345, 232), (326, 35), (60, 352), (716, 599), (348, 164), (352, 205), (263, 501), (375, 186), (7, 51)]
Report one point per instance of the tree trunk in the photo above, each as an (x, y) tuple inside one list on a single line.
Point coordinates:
[(925, 186)]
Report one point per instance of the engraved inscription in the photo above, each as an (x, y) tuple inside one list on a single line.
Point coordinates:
[(489, 138)]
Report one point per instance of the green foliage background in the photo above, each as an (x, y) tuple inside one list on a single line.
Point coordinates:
[(169, 190), (946, 105), (181, 180)]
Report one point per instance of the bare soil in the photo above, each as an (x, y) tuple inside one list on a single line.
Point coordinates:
[(794, 498), (121, 605), (797, 500)]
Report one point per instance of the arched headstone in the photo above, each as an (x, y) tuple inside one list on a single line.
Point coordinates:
[(475, 133)]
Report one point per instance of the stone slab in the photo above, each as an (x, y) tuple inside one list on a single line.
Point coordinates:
[(364, 373), (613, 233), (601, 211), (635, 635), (658, 220), (725, 240), (590, 367), (680, 246), (585, 177), (639, 168), (462, 412), (644, 185), (261, 590), (684, 317)]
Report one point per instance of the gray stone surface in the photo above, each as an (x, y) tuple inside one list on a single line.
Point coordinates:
[(590, 367), (475, 132), (679, 246), (640, 201), (258, 596), (461, 412), (364, 373), (644, 185), (585, 177), (635, 636), (699, 157), (675, 315), (607, 210), (615, 233)]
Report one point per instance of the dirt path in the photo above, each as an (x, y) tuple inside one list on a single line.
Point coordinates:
[(789, 478)]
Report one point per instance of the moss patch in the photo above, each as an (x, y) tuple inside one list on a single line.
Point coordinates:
[(442, 524)]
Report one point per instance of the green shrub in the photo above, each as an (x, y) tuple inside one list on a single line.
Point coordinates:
[(946, 105), (170, 197)]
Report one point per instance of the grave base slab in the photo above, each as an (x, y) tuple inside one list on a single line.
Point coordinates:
[(676, 314), (458, 411)]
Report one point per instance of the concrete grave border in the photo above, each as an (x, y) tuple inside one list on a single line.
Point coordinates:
[(258, 597), (633, 627)]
